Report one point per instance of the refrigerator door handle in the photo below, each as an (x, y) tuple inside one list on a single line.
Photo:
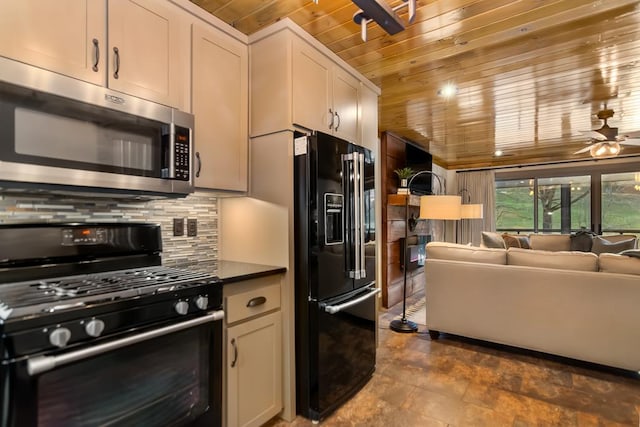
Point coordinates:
[(333, 309), (363, 271), (356, 214)]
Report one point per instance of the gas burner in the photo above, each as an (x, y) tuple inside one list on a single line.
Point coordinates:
[(45, 295)]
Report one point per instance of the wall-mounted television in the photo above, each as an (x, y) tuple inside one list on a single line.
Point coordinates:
[(418, 159)]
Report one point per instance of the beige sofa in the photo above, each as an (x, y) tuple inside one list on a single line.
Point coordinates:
[(573, 304)]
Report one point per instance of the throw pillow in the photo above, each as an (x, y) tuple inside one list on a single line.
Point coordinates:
[(601, 246), (582, 240), (516, 241), (631, 252), (492, 240)]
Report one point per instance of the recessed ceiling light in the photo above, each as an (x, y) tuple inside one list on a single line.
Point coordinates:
[(498, 153), (447, 91)]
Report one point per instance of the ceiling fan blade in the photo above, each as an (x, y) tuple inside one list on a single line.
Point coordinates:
[(632, 135), (584, 150), (594, 135), (631, 141)]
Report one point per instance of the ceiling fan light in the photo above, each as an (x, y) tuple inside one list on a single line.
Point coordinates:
[(614, 148)]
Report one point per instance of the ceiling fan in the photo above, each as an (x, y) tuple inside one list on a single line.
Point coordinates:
[(605, 142)]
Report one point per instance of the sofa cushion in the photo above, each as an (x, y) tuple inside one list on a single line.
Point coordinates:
[(550, 242), (602, 245), (615, 263), (515, 241), (492, 240), (561, 260), (456, 252)]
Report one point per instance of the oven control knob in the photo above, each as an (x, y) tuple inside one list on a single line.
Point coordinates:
[(182, 307), (94, 327), (60, 337), (202, 302)]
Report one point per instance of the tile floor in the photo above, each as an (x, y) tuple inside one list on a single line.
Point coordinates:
[(459, 382)]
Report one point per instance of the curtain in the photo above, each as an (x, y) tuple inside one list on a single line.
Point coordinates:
[(477, 187)]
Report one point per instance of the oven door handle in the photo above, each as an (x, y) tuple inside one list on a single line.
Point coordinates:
[(41, 364)]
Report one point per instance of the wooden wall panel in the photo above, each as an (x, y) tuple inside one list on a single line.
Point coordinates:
[(392, 154)]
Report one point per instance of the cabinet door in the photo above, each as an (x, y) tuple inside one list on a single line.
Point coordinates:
[(311, 88), (145, 50), (368, 118), (220, 102), (65, 36), (254, 381), (345, 104)]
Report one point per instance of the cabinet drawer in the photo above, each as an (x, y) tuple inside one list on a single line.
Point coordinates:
[(253, 302)]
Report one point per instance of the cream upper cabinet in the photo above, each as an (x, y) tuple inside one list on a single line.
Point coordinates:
[(368, 120), (312, 97), (65, 36), (147, 53), (325, 97), (296, 83), (220, 77), (139, 47), (346, 89)]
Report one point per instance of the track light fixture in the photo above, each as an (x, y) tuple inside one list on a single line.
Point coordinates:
[(380, 12)]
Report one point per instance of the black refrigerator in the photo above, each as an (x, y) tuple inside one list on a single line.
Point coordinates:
[(334, 272)]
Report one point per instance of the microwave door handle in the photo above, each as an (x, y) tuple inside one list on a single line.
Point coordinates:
[(41, 364)]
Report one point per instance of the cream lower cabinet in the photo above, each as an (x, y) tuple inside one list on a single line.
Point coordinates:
[(253, 353), (138, 47), (220, 102)]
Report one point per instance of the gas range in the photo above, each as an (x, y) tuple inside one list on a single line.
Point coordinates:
[(75, 288)]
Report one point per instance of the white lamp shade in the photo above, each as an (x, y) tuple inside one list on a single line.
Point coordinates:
[(472, 211), (440, 207)]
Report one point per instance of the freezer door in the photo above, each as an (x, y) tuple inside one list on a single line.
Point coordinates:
[(346, 349)]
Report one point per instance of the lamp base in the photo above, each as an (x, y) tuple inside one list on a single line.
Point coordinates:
[(403, 325)]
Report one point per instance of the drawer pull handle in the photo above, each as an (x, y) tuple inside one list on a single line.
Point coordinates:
[(254, 302)]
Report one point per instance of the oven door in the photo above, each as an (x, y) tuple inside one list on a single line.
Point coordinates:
[(166, 376)]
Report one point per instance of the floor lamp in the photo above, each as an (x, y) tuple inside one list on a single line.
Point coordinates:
[(437, 206)]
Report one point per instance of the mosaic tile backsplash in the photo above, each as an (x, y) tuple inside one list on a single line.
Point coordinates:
[(178, 251)]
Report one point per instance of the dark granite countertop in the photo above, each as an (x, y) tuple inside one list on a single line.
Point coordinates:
[(233, 271)]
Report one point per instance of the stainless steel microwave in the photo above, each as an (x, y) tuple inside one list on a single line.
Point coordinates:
[(61, 133)]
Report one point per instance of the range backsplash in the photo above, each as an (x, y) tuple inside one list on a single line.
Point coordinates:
[(180, 251)]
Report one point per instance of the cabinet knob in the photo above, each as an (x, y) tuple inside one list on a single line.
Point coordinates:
[(337, 117), (331, 115)]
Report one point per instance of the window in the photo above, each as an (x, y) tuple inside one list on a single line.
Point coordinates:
[(564, 204), (621, 202), (602, 198), (514, 205)]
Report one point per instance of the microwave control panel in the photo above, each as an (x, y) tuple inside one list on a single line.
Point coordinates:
[(182, 153)]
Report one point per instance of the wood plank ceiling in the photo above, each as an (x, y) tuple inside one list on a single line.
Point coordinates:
[(531, 74)]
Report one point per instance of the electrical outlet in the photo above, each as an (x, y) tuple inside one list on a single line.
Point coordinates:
[(192, 227), (178, 226)]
